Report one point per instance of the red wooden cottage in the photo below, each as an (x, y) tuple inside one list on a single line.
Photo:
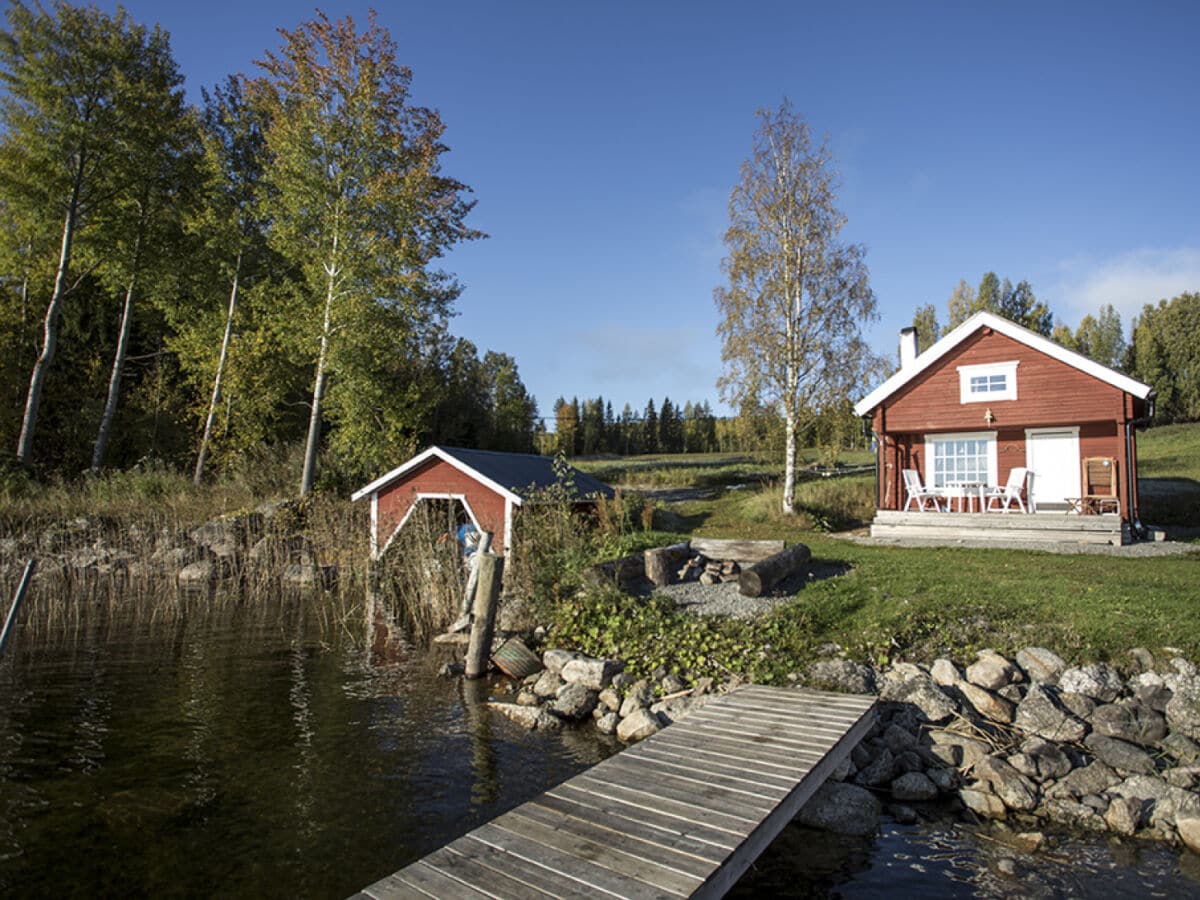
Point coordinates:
[(991, 397), (489, 485)]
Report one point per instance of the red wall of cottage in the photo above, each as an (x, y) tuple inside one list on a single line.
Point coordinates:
[(439, 477), (1049, 394)]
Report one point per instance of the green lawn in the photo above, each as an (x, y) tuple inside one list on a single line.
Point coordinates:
[(1169, 475), (918, 603)]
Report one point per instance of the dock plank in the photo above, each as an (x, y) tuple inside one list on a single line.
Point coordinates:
[(682, 814), (653, 831)]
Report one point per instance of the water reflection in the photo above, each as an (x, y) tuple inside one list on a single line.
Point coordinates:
[(267, 752), (243, 751), (944, 859)]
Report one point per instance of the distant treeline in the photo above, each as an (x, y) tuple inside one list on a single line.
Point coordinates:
[(591, 427)]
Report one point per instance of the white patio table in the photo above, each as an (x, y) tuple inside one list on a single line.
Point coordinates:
[(967, 493)]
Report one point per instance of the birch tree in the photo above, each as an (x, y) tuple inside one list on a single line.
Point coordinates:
[(156, 181), (73, 78), (797, 294), (234, 156), (358, 205)]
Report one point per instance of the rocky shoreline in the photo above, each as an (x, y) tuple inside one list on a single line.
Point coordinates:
[(268, 541), (1027, 741)]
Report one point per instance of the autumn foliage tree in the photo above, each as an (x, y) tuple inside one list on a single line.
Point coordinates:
[(165, 271), (360, 208), (797, 293), (81, 87)]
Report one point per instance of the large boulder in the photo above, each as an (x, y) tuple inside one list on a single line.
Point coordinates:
[(548, 684), (530, 717), (932, 702), (1041, 665), (956, 749), (1098, 681), (639, 724), (1017, 791), (1121, 755), (1169, 802), (639, 696), (1188, 826), (987, 704), (944, 673), (555, 659), (983, 803), (200, 574), (841, 808), (1094, 778), (1040, 760), (594, 674), (841, 675), (991, 671), (1042, 714), (671, 711), (1131, 721), (914, 786), (1183, 709), (574, 701)]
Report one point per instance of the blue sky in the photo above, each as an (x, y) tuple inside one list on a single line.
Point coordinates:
[(1054, 142)]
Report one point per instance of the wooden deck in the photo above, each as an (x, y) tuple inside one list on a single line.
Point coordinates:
[(999, 529), (682, 814)]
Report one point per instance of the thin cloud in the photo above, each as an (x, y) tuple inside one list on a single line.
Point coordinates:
[(1128, 281), (674, 361)]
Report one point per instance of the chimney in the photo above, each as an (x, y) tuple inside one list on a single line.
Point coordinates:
[(908, 346)]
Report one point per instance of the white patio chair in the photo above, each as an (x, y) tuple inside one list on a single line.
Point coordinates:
[(919, 494), (1011, 492)]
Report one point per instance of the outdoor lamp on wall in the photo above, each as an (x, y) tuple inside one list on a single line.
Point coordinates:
[(988, 417)]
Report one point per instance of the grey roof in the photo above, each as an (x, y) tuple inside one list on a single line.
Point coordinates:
[(523, 473), (516, 474)]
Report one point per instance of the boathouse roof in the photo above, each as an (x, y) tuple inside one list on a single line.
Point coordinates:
[(515, 475)]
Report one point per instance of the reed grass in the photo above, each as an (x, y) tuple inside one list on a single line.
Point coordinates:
[(99, 565)]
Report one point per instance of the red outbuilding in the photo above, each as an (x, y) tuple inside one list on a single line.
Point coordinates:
[(992, 398), (490, 485)]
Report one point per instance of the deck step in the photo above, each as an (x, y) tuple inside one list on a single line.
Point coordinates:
[(1000, 528)]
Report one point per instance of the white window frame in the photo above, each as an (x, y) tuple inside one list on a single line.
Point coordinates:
[(987, 370), (993, 467)]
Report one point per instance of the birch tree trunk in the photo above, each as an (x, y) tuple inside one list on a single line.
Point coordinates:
[(118, 368), (314, 418), (202, 455), (37, 378), (789, 463)]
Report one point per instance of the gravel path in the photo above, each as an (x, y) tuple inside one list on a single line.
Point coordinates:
[(724, 600)]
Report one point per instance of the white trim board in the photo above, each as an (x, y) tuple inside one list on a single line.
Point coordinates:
[(421, 495), (423, 457), (1019, 333)]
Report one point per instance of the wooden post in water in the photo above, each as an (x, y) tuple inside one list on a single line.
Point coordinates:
[(487, 598), (485, 546), (11, 618)]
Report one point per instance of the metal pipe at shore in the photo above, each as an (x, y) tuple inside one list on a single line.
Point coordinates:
[(11, 618)]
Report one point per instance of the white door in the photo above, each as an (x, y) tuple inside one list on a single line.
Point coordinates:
[(1052, 454)]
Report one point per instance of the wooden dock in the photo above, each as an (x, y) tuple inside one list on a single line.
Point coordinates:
[(682, 814)]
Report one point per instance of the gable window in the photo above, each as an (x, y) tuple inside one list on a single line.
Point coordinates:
[(960, 458), (988, 382)]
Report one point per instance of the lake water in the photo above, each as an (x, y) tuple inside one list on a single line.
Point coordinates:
[(278, 752)]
